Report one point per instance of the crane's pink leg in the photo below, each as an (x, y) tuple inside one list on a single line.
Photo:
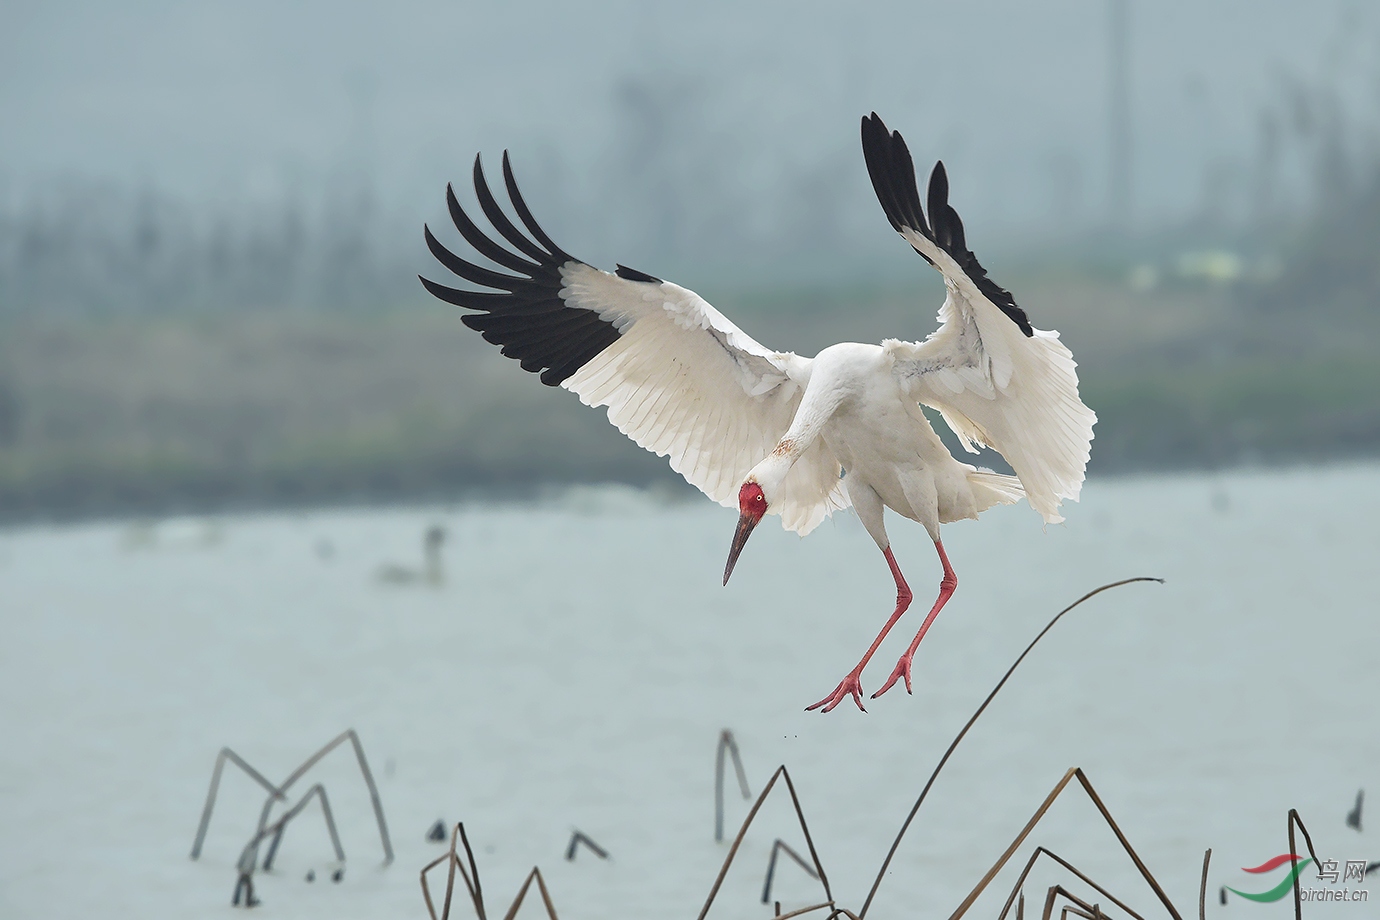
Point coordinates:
[(852, 685), (946, 590)]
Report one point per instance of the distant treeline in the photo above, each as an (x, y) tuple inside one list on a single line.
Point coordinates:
[(156, 355), (671, 192), (95, 249), (159, 414), (664, 195)]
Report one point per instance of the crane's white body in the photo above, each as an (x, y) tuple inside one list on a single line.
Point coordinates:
[(856, 407), (777, 433), (844, 427)]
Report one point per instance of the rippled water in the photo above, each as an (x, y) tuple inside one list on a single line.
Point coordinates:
[(580, 659)]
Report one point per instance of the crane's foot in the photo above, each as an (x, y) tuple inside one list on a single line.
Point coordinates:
[(849, 686), (902, 670)]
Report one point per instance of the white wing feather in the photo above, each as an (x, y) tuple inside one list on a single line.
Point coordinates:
[(685, 383), (997, 387)]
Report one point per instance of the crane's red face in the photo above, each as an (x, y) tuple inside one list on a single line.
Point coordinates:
[(752, 504)]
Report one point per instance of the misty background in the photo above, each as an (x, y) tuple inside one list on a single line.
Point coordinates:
[(210, 222)]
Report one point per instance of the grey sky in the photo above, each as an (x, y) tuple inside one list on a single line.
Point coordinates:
[(242, 100)]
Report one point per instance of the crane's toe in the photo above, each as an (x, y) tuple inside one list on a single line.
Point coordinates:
[(849, 686), (902, 670)]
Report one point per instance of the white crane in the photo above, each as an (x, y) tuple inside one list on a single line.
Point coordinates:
[(781, 434)]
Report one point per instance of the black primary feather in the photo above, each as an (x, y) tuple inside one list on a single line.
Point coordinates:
[(522, 312), (892, 171), (632, 274)]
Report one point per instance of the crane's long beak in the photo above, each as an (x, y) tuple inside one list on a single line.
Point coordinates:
[(740, 538)]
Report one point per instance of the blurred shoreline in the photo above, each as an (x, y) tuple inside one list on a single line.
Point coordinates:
[(169, 414), (208, 293)]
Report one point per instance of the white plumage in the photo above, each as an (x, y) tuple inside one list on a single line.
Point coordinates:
[(777, 433), (685, 383)]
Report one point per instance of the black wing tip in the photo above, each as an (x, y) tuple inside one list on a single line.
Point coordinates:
[(524, 313), (892, 170), (524, 213), (1004, 301), (450, 295), (431, 242), (939, 184), (873, 124), (632, 274)]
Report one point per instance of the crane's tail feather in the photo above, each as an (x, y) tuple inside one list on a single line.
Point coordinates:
[(994, 489)]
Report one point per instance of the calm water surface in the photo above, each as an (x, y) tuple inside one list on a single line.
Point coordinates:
[(576, 666)]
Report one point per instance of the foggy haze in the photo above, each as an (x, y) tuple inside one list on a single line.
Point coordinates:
[(675, 134)]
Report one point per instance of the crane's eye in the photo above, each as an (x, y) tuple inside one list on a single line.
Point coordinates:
[(760, 498)]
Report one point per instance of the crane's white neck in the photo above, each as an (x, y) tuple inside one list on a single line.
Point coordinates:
[(815, 409), (771, 472)]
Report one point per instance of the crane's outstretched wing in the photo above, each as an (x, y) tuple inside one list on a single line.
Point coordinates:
[(995, 379), (677, 377)]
